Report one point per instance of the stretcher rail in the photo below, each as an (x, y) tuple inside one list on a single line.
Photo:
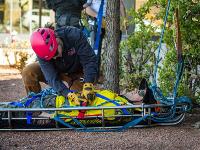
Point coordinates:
[(11, 121)]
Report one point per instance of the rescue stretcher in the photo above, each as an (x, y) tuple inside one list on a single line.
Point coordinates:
[(170, 111), (138, 115)]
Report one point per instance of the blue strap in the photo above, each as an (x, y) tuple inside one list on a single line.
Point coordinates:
[(126, 126), (98, 130), (29, 101), (56, 118), (17, 104), (28, 117), (99, 23), (112, 101), (74, 119), (29, 114), (134, 122)]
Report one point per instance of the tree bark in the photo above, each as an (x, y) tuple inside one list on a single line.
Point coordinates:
[(112, 40), (178, 35)]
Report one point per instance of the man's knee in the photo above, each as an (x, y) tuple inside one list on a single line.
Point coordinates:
[(30, 72), (31, 75)]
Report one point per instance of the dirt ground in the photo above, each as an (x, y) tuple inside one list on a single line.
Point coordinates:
[(179, 137)]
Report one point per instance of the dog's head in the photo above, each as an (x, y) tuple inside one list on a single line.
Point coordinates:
[(148, 97)]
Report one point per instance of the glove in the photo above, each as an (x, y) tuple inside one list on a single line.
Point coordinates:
[(74, 98), (88, 91)]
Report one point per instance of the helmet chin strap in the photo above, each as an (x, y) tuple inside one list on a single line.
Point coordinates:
[(59, 41), (60, 48), (58, 52)]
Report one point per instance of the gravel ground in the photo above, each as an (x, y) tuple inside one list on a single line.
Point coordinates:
[(180, 137)]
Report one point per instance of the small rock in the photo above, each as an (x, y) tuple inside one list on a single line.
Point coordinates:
[(196, 125)]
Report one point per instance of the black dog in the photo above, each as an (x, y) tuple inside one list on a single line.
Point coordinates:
[(148, 97)]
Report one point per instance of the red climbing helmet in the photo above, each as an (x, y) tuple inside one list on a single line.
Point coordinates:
[(43, 42)]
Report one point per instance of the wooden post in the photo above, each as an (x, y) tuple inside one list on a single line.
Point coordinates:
[(178, 35)]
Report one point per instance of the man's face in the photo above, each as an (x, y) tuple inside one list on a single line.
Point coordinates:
[(60, 48), (136, 95)]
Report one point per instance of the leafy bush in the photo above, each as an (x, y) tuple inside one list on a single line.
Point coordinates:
[(137, 52), (141, 50)]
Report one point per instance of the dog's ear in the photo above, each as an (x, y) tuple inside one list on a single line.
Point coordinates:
[(143, 84)]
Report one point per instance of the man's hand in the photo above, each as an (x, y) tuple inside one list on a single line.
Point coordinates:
[(74, 97), (88, 91)]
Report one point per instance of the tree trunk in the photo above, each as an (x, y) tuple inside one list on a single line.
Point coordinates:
[(178, 35), (112, 40)]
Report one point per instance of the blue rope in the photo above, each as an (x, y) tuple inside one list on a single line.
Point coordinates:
[(158, 93), (160, 44), (99, 23), (45, 92)]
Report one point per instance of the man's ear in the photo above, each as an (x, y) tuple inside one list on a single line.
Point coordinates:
[(143, 84)]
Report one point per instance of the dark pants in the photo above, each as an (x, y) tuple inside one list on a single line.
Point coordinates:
[(32, 76)]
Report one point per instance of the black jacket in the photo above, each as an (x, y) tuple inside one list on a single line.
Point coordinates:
[(77, 56)]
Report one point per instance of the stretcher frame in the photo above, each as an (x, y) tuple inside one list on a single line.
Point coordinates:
[(177, 118)]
